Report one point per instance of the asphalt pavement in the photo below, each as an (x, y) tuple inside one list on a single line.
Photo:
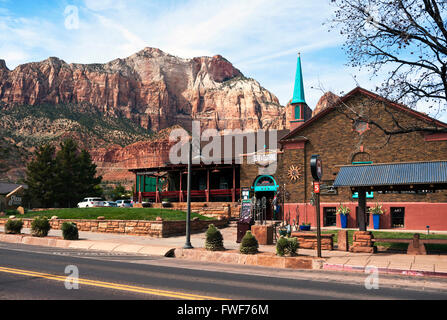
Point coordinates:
[(31, 272)]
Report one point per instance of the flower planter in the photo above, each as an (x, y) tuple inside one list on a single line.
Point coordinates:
[(344, 221), (305, 228), (376, 221)]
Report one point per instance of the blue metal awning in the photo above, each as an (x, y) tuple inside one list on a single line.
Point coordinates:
[(411, 174)]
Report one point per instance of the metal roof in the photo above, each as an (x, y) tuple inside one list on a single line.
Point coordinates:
[(392, 174), (6, 188)]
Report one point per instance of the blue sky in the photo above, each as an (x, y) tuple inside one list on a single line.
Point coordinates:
[(260, 37)]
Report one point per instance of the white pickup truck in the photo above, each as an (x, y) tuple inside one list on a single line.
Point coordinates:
[(91, 202)]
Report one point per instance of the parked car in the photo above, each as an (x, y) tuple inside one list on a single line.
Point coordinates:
[(124, 203), (91, 202), (110, 204)]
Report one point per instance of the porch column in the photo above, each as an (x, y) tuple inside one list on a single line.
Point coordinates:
[(136, 187), (139, 191), (207, 185), (233, 191), (157, 194), (181, 190), (362, 210), (144, 188)]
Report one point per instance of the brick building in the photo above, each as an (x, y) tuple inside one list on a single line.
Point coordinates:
[(341, 136)]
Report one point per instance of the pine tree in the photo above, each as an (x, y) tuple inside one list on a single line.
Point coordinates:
[(62, 179), (40, 177), (214, 239)]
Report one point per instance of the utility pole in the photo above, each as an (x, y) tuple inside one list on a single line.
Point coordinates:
[(188, 212)]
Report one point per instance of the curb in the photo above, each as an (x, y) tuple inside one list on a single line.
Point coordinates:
[(88, 245), (415, 273)]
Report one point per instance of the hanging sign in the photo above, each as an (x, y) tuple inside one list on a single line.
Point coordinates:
[(316, 167), (316, 187)]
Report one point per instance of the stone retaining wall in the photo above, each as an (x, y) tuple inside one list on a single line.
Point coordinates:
[(309, 240), (158, 229)]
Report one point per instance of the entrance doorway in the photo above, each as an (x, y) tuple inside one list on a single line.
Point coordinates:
[(265, 189)]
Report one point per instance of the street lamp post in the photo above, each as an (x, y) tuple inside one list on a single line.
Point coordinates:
[(188, 212)]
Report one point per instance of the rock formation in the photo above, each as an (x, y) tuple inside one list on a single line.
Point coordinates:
[(327, 100), (152, 88), (49, 100)]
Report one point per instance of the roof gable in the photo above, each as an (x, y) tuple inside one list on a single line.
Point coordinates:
[(362, 91)]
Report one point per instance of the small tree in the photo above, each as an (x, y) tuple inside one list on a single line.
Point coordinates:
[(214, 239), (40, 227), (286, 246), (13, 226), (70, 231), (249, 244)]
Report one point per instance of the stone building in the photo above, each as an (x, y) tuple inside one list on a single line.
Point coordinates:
[(341, 135)]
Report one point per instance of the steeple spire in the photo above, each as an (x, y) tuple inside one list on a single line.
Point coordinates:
[(298, 92)]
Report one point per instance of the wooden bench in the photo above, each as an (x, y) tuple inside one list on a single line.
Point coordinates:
[(415, 245)]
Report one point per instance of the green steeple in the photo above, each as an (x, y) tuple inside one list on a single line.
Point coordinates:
[(298, 92)]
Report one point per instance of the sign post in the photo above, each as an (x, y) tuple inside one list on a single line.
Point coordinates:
[(316, 168)]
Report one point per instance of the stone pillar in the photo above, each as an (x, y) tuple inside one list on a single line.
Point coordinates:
[(343, 241), (363, 242), (264, 234)]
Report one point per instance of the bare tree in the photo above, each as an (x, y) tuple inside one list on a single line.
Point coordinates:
[(406, 40)]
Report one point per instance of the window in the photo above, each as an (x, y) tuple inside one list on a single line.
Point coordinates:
[(369, 195), (330, 217), (397, 217), (297, 112)]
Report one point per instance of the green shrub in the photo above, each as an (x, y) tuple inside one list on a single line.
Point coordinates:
[(70, 231), (13, 226), (293, 246), (249, 244), (214, 239), (281, 246), (40, 227), (286, 246)]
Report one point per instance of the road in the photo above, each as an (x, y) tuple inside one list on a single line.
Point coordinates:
[(30, 272)]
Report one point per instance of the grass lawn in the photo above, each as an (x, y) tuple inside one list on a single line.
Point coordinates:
[(115, 214), (397, 235)]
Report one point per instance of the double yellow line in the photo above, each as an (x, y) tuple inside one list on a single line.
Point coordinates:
[(109, 285)]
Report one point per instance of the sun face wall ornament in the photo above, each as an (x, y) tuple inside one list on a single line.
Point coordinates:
[(294, 173)]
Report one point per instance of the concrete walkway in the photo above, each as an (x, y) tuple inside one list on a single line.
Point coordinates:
[(429, 265)]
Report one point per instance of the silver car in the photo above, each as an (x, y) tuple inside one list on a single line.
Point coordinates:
[(124, 203)]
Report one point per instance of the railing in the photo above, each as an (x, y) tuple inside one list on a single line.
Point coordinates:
[(194, 194)]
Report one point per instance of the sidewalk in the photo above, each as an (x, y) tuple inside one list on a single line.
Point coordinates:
[(420, 265)]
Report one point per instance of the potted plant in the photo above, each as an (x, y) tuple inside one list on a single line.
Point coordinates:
[(305, 226), (343, 212), (376, 212)]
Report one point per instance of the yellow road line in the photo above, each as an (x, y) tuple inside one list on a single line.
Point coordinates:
[(116, 286)]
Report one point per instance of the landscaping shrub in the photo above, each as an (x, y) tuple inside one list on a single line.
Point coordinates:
[(286, 246), (40, 227), (281, 246), (13, 226), (249, 244), (70, 231), (214, 239)]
